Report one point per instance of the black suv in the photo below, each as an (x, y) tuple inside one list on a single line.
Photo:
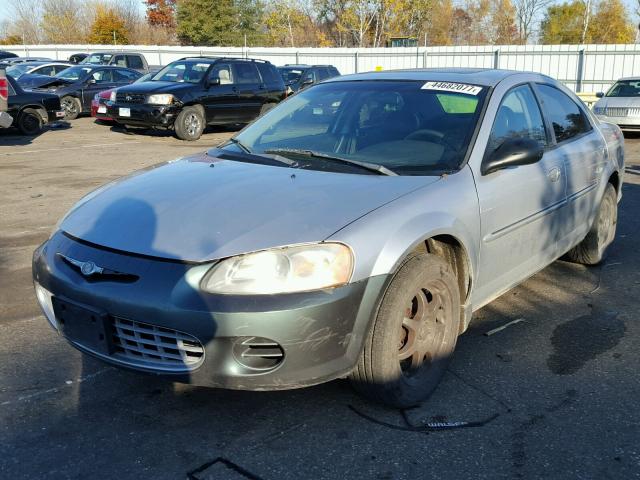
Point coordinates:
[(193, 92), (297, 77)]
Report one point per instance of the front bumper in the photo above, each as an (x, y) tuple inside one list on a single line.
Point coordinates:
[(625, 123), (319, 334), (143, 115)]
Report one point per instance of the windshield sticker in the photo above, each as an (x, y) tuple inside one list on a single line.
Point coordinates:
[(453, 87)]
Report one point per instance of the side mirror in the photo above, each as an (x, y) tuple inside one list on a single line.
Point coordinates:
[(212, 81), (306, 82), (91, 81), (512, 153), (600, 94)]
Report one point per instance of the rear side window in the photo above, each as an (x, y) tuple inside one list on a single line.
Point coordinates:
[(269, 73), (102, 76), (246, 73), (59, 68), (567, 118), (125, 76), (518, 117), (134, 61)]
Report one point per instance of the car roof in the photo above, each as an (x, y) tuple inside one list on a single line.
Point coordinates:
[(43, 62), (206, 58), (303, 65), (488, 77)]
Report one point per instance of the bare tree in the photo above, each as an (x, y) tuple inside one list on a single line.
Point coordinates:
[(25, 20), (527, 14)]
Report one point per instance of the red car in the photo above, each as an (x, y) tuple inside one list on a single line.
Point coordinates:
[(98, 101)]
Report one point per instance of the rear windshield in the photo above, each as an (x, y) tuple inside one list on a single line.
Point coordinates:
[(290, 75), (74, 73), (183, 71), (625, 88), (410, 127)]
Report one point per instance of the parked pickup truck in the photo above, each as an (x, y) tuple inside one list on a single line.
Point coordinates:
[(135, 61), (5, 119)]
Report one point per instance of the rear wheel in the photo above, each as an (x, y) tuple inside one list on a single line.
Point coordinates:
[(71, 107), (413, 336), (593, 249), (189, 123), (30, 122)]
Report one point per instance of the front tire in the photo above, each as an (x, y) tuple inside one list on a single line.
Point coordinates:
[(413, 335), (30, 122), (189, 123), (593, 249), (71, 106)]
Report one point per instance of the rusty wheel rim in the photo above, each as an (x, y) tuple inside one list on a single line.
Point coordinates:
[(422, 331)]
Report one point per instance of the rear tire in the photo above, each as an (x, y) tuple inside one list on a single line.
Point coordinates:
[(30, 122), (189, 123), (413, 336), (71, 106), (593, 249)]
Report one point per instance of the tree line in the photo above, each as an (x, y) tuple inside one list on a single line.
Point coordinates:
[(317, 23)]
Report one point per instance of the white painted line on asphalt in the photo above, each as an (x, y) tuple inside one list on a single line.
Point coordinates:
[(68, 383), (499, 329), (69, 148)]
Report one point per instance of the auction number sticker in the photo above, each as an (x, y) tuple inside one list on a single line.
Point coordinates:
[(453, 87)]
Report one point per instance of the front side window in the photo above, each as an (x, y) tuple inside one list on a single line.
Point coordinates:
[(246, 73), (98, 59), (625, 88), (566, 117), (290, 75), (401, 125), (189, 71), (46, 70), (222, 71), (119, 61), (102, 76), (518, 117)]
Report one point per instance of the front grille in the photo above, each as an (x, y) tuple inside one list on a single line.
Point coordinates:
[(622, 112), (122, 97), (159, 348)]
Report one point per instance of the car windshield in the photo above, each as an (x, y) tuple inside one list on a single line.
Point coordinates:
[(183, 71), (625, 88), (16, 71), (73, 73), (290, 75), (409, 127), (98, 58)]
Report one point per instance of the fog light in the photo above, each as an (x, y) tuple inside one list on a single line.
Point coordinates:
[(44, 299)]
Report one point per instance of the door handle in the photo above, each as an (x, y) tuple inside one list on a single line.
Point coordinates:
[(554, 174)]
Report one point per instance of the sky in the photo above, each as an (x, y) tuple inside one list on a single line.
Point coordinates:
[(5, 13)]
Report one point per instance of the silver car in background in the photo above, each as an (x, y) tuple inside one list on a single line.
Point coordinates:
[(350, 231), (620, 104)]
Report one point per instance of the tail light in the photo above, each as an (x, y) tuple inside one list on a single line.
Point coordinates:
[(4, 88)]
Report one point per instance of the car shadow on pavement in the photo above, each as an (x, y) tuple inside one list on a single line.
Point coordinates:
[(11, 137), (563, 383), (160, 132)]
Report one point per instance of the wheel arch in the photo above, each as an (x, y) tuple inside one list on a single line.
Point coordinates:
[(614, 179), (38, 108)]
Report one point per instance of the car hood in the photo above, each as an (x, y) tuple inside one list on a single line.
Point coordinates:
[(30, 80), (53, 84), (157, 86), (202, 208), (618, 102)]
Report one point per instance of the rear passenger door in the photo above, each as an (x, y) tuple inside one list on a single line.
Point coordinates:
[(247, 82), (583, 151), (521, 208)]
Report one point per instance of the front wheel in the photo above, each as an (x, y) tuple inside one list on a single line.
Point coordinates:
[(413, 335), (71, 107), (189, 123), (593, 249)]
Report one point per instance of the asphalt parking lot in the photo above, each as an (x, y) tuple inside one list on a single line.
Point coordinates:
[(558, 391)]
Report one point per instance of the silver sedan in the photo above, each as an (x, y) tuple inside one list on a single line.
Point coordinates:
[(620, 104), (350, 231)]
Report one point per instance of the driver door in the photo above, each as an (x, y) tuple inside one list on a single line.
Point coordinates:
[(220, 100), (103, 81), (522, 208)]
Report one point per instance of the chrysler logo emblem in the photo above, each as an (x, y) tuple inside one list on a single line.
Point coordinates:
[(88, 268), (128, 98)]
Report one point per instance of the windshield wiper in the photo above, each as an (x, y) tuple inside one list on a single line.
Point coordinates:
[(242, 146), (379, 169)]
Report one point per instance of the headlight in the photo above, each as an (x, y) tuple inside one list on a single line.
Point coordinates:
[(112, 97), (282, 270), (96, 97), (160, 99)]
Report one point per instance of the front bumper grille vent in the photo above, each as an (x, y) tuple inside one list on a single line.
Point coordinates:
[(257, 353), (622, 111), (154, 347)]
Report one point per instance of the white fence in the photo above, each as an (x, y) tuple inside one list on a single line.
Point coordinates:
[(583, 68)]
